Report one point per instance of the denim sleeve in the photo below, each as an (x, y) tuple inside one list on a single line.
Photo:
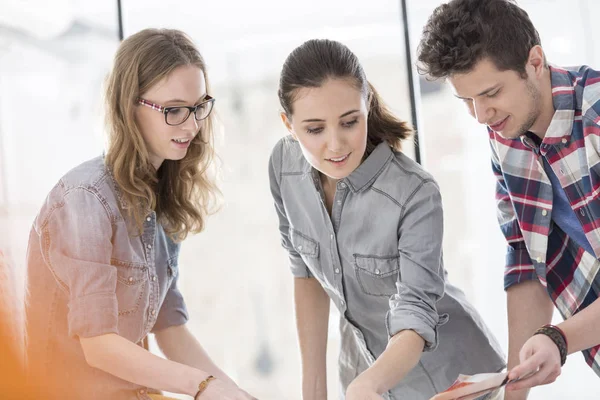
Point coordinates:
[(421, 282), (76, 246), (297, 265), (173, 311)]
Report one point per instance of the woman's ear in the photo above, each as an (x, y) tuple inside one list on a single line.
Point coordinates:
[(288, 124)]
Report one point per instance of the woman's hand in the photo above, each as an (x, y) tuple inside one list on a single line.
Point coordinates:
[(220, 390)]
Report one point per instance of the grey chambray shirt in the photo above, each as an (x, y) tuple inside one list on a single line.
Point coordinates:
[(90, 274), (379, 258)]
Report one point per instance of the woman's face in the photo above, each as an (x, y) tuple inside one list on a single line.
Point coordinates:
[(185, 86), (330, 123)]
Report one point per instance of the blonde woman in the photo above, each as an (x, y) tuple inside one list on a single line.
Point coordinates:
[(103, 250)]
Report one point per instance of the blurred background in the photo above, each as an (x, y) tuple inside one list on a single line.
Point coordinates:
[(55, 55)]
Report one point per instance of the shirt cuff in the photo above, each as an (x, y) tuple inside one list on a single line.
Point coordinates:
[(174, 317), (299, 268), (408, 317), (519, 267), (93, 315)]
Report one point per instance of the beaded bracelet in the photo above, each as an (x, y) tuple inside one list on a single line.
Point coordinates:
[(203, 385), (558, 337)]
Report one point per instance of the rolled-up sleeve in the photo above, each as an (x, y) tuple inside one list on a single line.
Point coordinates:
[(173, 311), (421, 282), (76, 244), (518, 266), (297, 265)]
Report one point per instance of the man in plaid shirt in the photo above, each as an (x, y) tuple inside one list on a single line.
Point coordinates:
[(544, 130)]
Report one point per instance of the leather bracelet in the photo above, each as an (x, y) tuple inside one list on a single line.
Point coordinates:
[(203, 385), (562, 333), (559, 339)]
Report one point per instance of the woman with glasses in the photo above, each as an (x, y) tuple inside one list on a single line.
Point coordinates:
[(103, 250)]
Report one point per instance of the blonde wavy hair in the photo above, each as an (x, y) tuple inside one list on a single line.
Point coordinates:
[(181, 192)]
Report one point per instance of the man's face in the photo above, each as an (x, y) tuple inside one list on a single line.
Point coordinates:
[(503, 100)]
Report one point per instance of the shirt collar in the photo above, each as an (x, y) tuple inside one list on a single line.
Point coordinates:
[(564, 100), (366, 173)]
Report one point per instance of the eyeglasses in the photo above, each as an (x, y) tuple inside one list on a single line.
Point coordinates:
[(179, 114)]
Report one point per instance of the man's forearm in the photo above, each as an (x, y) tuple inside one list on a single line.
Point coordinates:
[(529, 306), (583, 329)]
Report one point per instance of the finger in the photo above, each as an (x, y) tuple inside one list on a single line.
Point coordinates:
[(528, 366), (542, 377), (526, 352)]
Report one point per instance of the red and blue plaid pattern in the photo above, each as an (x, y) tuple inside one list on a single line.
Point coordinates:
[(538, 249)]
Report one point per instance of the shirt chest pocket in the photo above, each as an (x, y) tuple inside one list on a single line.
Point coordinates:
[(307, 248), (376, 275), (132, 286)]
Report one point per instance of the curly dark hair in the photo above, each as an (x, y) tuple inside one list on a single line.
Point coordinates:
[(460, 33)]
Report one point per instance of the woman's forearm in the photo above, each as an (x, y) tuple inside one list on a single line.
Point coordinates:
[(312, 320), (118, 356), (401, 355), (178, 344)]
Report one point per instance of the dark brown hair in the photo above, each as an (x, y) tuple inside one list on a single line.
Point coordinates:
[(460, 33), (314, 62)]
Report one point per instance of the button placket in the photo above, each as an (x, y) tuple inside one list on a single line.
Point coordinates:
[(148, 239)]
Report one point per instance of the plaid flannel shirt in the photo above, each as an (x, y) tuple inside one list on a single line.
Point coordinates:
[(537, 248)]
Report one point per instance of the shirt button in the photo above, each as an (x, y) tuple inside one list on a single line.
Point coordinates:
[(339, 202), (142, 391), (544, 213), (582, 212), (342, 185), (377, 271), (564, 141), (342, 302), (337, 270), (149, 246), (331, 236), (154, 278), (300, 247), (153, 312), (539, 259), (130, 279), (148, 219)]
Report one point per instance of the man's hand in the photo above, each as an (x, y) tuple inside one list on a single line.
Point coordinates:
[(540, 364)]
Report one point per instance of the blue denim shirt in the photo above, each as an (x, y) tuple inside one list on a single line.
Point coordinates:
[(89, 274), (379, 258)]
